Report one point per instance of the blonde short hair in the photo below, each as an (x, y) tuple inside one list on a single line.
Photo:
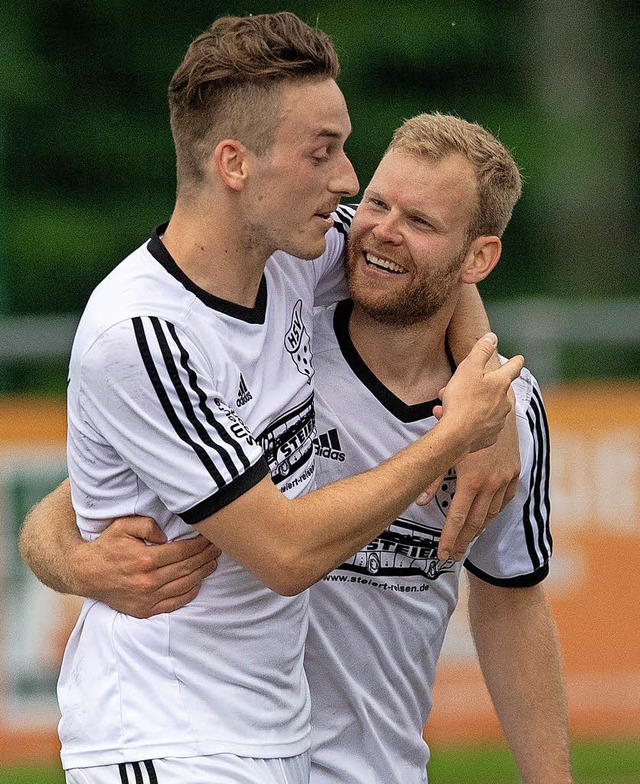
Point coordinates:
[(499, 184)]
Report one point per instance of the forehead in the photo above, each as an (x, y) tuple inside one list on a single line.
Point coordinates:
[(312, 109), (418, 184)]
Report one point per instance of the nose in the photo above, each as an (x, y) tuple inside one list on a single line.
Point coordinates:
[(345, 181), (386, 229)]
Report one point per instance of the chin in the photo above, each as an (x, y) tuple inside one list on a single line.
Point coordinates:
[(308, 251)]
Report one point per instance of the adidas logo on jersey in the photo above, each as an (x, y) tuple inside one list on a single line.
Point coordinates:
[(244, 396), (328, 445)]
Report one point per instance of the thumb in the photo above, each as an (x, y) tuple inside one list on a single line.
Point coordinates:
[(483, 349)]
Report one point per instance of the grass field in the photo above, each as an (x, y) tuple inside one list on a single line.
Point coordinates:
[(594, 763)]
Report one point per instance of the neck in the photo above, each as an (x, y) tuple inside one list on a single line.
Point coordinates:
[(206, 241), (412, 362)]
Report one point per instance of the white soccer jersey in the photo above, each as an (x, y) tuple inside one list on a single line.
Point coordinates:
[(377, 623), (178, 403)]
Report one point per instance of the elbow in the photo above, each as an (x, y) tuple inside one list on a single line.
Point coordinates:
[(289, 575), (290, 587), (25, 548), (288, 583)]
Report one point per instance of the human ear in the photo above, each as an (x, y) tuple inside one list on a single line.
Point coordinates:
[(481, 258), (230, 161)]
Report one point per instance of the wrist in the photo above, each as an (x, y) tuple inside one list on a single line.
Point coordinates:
[(450, 440), (79, 569)]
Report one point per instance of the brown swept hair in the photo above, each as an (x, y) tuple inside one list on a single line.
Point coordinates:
[(499, 184), (227, 86)]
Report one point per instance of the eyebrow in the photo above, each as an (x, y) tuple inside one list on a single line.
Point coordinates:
[(434, 220), (327, 133)]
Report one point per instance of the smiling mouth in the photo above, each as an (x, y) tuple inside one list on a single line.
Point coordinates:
[(383, 264)]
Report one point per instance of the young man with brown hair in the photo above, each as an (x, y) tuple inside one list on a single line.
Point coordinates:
[(191, 398)]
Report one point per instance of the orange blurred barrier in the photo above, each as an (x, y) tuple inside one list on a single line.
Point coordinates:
[(593, 586), (33, 620)]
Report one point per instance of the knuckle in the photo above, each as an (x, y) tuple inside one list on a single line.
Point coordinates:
[(147, 583)]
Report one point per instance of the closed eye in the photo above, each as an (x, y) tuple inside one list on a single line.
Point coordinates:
[(376, 202)]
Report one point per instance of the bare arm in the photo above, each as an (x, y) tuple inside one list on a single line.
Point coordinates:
[(519, 654), (118, 567), (486, 480), (289, 544), (299, 541)]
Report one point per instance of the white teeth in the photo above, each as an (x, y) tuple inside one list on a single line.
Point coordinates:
[(383, 263)]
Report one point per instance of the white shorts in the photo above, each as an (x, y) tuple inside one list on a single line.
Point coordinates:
[(212, 769)]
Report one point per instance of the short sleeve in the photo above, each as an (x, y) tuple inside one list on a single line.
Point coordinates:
[(330, 284), (515, 548), (149, 392)]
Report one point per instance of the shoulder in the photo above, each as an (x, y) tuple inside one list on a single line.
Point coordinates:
[(137, 287), (343, 217), (323, 328)]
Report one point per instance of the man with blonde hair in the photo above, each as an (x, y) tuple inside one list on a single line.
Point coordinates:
[(190, 400), (429, 223)]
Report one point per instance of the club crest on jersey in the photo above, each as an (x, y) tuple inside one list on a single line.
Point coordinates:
[(298, 343)]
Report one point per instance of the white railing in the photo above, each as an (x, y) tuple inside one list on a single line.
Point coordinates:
[(538, 328)]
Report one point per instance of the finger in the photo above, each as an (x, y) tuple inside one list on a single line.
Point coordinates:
[(187, 566), (139, 528), (497, 504), (476, 521), (454, 523), (477, 518), (185, 584), (429, 494), (510, 493), (173, 603), (181, 550), (511, 369), (482, 351)]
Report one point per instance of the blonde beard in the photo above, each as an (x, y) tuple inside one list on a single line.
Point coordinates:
[(414, 304)]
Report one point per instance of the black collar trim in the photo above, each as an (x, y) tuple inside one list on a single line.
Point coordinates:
[(397, 407), (254, 315)]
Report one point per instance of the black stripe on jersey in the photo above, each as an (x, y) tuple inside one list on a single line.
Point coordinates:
[(202, 400), (145, 352), (137, 772), (537, 506), (545, 540), (224, 497), (345, 215)]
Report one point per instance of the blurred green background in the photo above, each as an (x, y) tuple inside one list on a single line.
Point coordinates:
[(87, 171), (87, 167)]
